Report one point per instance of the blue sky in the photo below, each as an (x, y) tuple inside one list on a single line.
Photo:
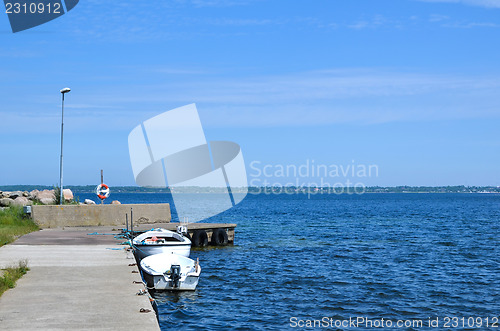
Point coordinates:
[(410, 86)]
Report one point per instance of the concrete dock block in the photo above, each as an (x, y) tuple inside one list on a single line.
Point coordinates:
[(53, 216)]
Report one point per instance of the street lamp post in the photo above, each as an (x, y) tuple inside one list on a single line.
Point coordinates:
[(61, 198)]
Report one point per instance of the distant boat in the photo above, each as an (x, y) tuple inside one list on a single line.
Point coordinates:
[(169, 271), (160, 240)]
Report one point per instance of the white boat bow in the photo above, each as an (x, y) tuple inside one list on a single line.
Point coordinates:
[(160, 240)]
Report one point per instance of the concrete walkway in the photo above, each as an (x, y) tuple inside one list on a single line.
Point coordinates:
[(82, 286)]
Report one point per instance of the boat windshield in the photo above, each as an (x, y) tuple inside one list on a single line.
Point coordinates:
[(160, 240)]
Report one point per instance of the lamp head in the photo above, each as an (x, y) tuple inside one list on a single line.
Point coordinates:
[(65, 90)]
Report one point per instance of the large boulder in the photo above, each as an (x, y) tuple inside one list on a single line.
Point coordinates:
[(34, 195), (46, 197), (21, 201), (46, 194), (6, 202), (5, 195), (47, 201), (15, 194), (116, 202), (68, 195)]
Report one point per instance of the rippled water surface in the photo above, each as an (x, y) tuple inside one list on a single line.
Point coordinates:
[(391, 256)]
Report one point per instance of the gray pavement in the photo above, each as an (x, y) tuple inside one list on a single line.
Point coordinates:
[(72, 236), (86, 285)]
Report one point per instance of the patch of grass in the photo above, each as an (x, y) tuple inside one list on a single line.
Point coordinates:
[(13, 224), (11, 275)]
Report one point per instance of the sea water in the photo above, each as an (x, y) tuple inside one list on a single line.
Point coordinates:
[(386, 261)]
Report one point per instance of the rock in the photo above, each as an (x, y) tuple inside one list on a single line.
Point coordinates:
[(5, 195), (142, 220), (14, 195), (6, 202), (21, 201), (47, 201), (46, 197), (68, 195), (34, 195), (116, 202), (89, 202), (26, 194)]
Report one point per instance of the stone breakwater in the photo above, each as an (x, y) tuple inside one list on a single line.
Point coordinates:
[(19, 198), (45, 197)]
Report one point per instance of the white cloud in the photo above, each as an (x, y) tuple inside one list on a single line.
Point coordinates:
[(363, 96), (215, 3), (438, 18), (373, 22), (480, 3), (319, 97), (359, 96), (470, 25), (241, 22), (11, 53)]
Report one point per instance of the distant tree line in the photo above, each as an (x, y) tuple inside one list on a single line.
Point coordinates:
[(270, 189)]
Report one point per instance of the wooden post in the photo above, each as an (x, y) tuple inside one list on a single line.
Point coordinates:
[(102, 182)]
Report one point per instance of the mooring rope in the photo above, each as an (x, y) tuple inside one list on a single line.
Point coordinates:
[(101, 234)]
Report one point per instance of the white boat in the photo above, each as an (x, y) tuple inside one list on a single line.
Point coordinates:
[(160, 240), (169, 271)]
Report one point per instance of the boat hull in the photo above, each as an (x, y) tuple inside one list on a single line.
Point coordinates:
[(143, 251), (163, 283), (167, 271)]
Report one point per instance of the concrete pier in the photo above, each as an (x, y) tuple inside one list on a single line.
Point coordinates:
[(76, 282), (191, 227)]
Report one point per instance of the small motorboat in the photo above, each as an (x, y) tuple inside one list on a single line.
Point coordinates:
[(169, 271), (160, 240)]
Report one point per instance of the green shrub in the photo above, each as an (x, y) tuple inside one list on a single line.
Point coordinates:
[(11, 275), (13, 224), (57, 193)]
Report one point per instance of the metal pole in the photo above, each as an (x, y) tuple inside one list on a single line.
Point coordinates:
[(126, 221), (61, 198), (131, 221)]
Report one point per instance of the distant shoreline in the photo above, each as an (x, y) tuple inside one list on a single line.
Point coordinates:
[(79, 189)]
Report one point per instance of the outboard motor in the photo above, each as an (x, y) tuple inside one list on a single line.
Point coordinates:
[(175, 275)]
